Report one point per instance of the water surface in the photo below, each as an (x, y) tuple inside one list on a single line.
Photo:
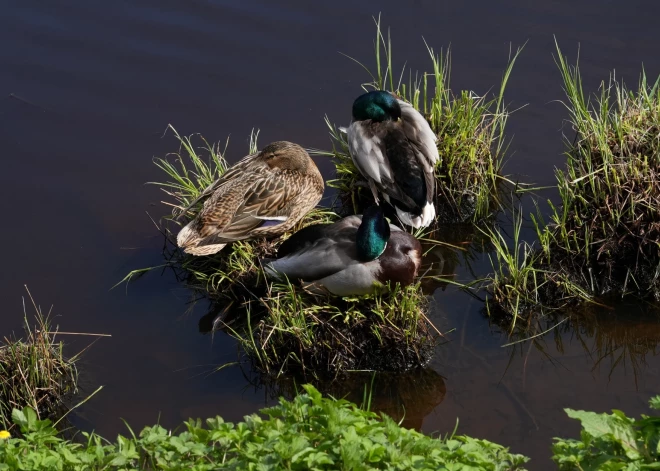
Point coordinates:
[(86, 91)]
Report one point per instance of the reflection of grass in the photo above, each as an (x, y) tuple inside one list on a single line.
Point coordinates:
[(34, 372), (623, 336), (291, 330), (615, 340), (470, 132), (406, 397)]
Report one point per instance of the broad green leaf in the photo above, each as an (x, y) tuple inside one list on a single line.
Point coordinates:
[(599, 425), (19, 418)]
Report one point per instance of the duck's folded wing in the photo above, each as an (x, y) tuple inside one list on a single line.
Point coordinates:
[(318, 260), (256, 200), (419, 132), (367, 151), (226, 178), (373, 146), (308, 236), (424, 140)]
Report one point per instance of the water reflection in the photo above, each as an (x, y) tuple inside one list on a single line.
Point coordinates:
[(407, 397), (622, 335)]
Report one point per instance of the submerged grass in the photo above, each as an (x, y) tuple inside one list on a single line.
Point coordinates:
[(470, 131), (34, 372), (603, 238)]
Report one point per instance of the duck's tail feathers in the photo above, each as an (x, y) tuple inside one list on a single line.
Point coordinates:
[(423, 220), (188, 238)]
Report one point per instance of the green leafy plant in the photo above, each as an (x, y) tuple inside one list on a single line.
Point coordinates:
[(611, 442), (307, 433)]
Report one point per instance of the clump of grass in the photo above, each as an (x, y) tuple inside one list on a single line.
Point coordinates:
[(34, 372), (470, 131), (293, 331), (602, 240), (523, 284), (608, 227)]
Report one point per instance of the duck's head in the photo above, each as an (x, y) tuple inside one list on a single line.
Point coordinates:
[(372, 235), (287, 156), (377, 105)]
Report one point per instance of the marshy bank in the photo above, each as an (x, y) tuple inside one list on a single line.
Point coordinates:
[(601, 240)]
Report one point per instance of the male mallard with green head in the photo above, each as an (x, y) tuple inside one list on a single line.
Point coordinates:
[(262, 195), (394, 148), (356, 255)]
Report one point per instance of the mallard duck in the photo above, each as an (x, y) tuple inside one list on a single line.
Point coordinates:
[(353, 256), (394, 148), (262, 195)]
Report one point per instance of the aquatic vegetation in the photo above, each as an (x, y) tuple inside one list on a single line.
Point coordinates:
[(602, 239), (607, 229), (281, 326), (309, 432), (469, 129), (291, 330), (34, 372), (611, 441), (522, 286)]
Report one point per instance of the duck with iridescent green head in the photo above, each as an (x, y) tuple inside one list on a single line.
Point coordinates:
[(356, 255), (394, 148)]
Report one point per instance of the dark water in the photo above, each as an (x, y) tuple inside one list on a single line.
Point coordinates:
[(86, 91)]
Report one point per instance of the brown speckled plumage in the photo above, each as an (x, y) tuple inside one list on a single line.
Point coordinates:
[(280, 182)]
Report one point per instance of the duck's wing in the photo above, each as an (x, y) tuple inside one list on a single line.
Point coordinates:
[(382, 153), (308, 236), (231, 173), (323, 256), (424, 140), (367, 152), (257, 199)]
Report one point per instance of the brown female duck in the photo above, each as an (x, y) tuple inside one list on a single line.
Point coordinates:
[(262, 195)]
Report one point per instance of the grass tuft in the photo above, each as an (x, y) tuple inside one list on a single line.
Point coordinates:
[(602, 240), (470, 130), (293, 331), (34, 371)]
